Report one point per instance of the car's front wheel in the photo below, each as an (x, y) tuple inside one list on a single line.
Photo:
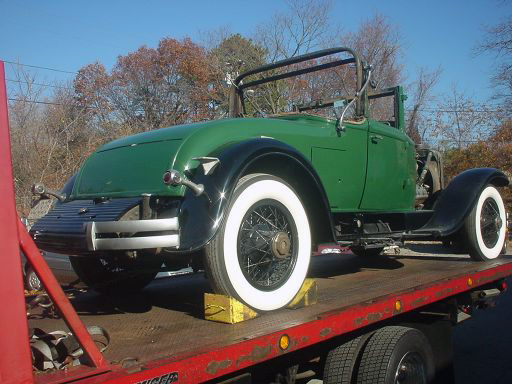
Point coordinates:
[(261, 253), (485, 228)]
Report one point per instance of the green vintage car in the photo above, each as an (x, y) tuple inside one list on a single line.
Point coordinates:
[(253, 196)]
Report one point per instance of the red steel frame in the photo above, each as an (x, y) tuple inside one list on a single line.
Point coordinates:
[(211, 364), (16, 358), (16, 366)]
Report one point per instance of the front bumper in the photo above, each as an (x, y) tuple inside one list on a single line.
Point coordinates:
[(133, 234)]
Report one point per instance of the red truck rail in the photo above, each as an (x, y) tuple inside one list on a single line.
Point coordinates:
[(163, 340)]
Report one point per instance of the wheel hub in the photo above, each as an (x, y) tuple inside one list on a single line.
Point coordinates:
[(498, 222), (490, 223), (281, 245)]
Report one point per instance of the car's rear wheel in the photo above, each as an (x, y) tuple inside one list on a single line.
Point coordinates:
[(484, 229), (117, 273), (261, 253)]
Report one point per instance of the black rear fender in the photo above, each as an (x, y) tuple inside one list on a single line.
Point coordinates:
[(201, 216), (455, 202)]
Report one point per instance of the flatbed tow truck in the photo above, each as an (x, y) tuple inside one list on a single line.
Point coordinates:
[(160, 335)]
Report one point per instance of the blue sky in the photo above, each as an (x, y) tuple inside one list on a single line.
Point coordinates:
[(70, 34)]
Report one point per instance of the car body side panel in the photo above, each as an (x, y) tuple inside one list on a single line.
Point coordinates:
[(200, 217), (341, 164), (391, 173), (132, 166)]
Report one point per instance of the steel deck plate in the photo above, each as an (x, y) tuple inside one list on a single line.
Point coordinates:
[(164, 321)]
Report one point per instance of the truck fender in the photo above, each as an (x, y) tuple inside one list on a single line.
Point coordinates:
[(201, 216), (456, 201)]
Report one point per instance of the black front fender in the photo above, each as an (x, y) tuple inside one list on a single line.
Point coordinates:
[(456, 201), (201, 216)]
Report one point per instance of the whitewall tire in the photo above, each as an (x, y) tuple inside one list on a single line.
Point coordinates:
[(485, 228), (261, 253)]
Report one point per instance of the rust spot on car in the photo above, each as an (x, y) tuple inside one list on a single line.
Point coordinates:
[(258, 353), (358, 321), (324, 332), (215, 366)]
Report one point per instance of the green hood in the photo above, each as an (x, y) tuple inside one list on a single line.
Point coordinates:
[(133, 165)]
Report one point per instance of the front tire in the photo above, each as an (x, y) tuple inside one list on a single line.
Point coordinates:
[(261, 253), (484, 229)]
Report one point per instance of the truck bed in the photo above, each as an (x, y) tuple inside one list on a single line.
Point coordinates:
[(164, 324)]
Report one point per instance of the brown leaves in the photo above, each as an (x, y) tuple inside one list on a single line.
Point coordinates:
[(496, 152), (149, 88)]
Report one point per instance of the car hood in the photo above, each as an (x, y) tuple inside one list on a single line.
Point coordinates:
[(132, 165)]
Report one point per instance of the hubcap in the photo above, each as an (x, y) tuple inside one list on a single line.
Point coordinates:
[(490, 222), (34, 281), (281, 245), (267, 245)]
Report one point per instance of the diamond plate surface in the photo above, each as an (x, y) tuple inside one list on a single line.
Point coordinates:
[(165, 319)]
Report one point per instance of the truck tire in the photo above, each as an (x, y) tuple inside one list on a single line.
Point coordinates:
[(341, 362), (396, 355), (484, 229), (117, 275), (261, 253)]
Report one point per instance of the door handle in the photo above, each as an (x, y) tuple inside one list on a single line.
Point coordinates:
[(375, 138)]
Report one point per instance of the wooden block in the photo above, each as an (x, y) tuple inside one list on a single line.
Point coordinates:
[(225, 309), (306, 296)]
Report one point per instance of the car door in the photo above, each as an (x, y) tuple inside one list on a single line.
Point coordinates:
[(340, 160), (390, 184)]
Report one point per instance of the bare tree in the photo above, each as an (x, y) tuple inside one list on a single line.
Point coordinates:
[(498, 41), (463, 121), (417, 124), (49, 141), (301, 29)]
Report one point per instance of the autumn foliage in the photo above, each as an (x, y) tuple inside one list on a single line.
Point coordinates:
[(496, 152), (180, 81)]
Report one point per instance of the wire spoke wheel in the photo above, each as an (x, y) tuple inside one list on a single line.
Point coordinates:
[(267, 250), (490, 222), (484, 229), (261, 253)]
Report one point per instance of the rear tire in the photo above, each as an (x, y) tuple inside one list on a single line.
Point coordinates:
[(341, 362), (117, 274), (484, 228), (396, 355), (261, 253)]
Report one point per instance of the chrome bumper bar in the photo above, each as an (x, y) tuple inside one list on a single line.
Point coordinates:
[(108, 231)]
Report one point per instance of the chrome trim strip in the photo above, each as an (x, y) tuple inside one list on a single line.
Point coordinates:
[(137, 225), (137, 242), (132, 226)]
